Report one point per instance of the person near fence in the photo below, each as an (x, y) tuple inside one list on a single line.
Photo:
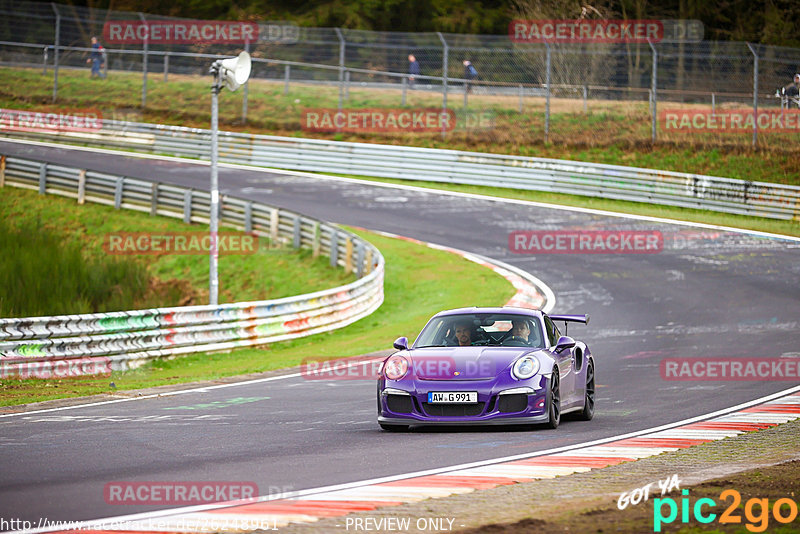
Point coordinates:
[(413, 69), (470, 74), (97, 58)]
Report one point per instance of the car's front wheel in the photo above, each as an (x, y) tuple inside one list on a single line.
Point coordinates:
[(554, 407), (394, 428)]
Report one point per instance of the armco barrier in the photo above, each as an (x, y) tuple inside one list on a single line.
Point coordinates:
[(363, 159), (100, 342)]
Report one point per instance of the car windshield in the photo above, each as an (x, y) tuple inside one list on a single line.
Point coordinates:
[(475, 329)]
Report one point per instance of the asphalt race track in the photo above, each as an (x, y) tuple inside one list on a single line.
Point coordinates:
[(709, 293)]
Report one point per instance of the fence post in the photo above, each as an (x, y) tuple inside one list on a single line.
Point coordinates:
[(286, 70), (248, 218), (445, 54), (547, 101), (405, 84), (347, 85), (2, 171), (154, 199), (44, 60), (342, 45), (166, 66), (713, 104), (245, 90), (55, 54), (520, 98), (81, 186), (144, 62), (654, 93), (755, 93), (585, 97)]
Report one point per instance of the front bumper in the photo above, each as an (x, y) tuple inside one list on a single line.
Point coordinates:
[(404, 402)]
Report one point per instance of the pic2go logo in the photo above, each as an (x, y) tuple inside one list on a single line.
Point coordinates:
[(756, 511)]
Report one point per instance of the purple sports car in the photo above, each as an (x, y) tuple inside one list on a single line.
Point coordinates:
[(487, 366)]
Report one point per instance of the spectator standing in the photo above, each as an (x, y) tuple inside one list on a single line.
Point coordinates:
[(96, 58), (470, 74), (413, 69)]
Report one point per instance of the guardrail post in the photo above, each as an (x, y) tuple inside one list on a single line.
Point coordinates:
[(316, 242), (154, 199), (274, 220), (248, 217), (144, 63), (166, 66), (296, 232), (286, 75), (118, 192), (187, 206), (55, 51), (348, 254), (360, 259), (2, 171), (368, 262), (42, 178), (334, 248), (81, 186)]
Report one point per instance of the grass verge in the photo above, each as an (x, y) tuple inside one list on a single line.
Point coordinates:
[(612, 132), (419, 282), (164, 280)]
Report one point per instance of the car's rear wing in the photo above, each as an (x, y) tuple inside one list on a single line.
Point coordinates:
[(571, 318)]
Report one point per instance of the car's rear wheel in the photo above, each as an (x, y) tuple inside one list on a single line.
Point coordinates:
[(394, 428), (588, 401), (554, 407)]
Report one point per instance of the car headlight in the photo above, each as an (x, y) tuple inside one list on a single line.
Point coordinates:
[(396, 367), (525, 367)]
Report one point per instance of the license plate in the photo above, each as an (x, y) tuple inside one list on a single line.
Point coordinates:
[(452, 397)]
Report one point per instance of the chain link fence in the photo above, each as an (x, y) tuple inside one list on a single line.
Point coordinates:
[(575, 94)]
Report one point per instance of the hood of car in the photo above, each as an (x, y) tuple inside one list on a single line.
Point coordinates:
[(463, 363)]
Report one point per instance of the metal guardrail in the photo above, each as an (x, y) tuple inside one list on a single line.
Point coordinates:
[(95, 343), (450, 166)]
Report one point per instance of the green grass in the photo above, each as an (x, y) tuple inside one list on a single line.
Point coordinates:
[(419, 283), (612, 132), (57, 235)]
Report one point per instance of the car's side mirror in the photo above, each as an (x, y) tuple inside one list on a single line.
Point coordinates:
[(401, 343), (564, 343)]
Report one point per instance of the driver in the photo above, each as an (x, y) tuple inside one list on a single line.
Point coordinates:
[(520, 330), (464, 333)]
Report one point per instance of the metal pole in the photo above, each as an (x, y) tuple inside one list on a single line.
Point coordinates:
[(653, 89), (585, 96), (55, 55), (342, 45), (713, 104), (445, 54), (405, 84), (166, 66), (246, 86), (44, 60), (520, 98), (213, 279), (144, 64), (347, 85), (755, 93), (547, 102), (286, 74)]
